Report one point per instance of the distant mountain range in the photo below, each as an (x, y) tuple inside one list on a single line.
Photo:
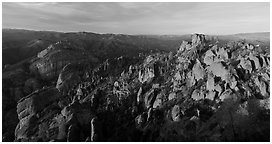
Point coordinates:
[(20, 44)]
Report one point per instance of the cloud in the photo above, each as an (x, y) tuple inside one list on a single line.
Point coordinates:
[(139, 18)]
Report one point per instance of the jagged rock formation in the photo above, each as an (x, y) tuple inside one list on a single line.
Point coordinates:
[(203, 92)]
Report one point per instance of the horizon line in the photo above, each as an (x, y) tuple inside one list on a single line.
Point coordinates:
[(133, 34)]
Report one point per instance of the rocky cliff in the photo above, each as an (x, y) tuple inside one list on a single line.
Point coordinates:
[(50, 61)]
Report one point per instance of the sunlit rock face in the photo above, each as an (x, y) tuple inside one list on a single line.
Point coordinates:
[(50, 61), (29, 107)]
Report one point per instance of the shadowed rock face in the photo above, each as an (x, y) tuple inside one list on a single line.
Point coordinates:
[(204, 92)]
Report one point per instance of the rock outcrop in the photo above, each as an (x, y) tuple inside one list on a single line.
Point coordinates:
[(68, 77), (50, 61), (29, 107)]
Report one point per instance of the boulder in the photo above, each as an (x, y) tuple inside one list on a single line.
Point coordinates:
[(176, 113), (209, 57), (222, 54), (190, 80), (178, 76), (198, 70), (246, 64), (197, 95), (219, 70), (232, 82), (210, 95), (172, 96), (159, 100), (210, 82)]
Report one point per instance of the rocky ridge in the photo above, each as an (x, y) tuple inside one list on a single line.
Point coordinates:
[(202, 92)]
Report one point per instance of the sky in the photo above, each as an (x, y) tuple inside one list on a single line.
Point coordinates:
[(173, 18)]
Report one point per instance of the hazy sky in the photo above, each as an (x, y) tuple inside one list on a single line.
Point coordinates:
[(139, 18)]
